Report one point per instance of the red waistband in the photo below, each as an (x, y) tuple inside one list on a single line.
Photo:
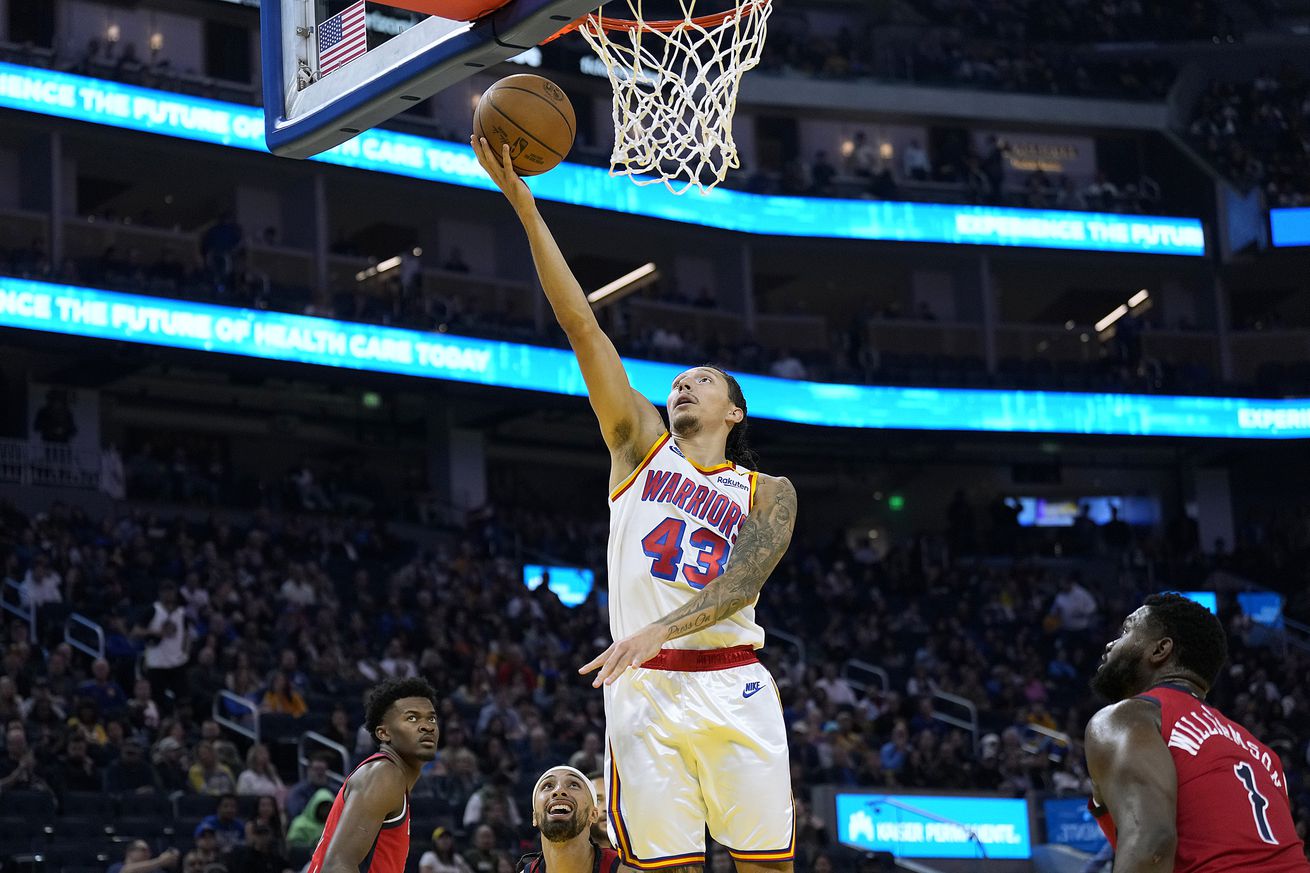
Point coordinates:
[(700, 660)]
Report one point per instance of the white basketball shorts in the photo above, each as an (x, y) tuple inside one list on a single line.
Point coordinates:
[(696, 738)]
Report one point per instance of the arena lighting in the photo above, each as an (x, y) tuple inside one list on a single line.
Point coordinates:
[(199, 119), (280, 336), (1115, 314), (624, 285), (378, 269), (1123, 309), (383, 266)]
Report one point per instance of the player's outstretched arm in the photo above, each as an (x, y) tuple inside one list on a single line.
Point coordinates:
[(760, 545), (1135, 778), (628, 421), (374, 794)]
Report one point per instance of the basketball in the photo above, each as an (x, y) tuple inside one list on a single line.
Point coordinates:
[(533, 115)]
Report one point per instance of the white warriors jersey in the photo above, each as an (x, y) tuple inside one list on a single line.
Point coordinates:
[(672, 528)]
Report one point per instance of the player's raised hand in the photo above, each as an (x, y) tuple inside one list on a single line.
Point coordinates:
[(501, 170), (628, 652)]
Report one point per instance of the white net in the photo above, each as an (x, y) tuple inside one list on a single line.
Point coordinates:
[(675, 90)]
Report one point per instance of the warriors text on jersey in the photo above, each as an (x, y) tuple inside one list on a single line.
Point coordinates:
[(672, 528), (1233, 809), (390, 846)]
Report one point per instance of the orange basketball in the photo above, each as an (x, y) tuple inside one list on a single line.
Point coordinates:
[(533, 115)]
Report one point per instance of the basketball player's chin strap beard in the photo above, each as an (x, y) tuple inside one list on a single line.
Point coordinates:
[(760, 545)]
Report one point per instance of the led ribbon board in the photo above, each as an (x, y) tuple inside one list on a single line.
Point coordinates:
[(279, 336), (1290, 227), (934, 826), (131, 107)]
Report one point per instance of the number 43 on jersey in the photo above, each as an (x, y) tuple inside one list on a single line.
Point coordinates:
[(664, 546)]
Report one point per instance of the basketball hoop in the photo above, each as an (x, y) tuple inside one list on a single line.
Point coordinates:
[(675, 89)]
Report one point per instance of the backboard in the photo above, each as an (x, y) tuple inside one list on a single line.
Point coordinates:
[(307, 111)]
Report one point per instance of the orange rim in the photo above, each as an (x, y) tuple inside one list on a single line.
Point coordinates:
[(703, 21)]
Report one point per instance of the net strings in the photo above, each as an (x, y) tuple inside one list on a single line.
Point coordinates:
[(675, 93)]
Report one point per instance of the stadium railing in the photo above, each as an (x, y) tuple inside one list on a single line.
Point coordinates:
[(227, 705), (854, 669), (969, 721), (77, 620), (317, 739), (11, 600)]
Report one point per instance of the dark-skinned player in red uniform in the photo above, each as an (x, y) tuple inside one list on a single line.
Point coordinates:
[(1178, 787), (367, 829)]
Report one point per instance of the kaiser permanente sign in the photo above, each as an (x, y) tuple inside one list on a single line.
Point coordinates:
[(279, 336), (130, 107)]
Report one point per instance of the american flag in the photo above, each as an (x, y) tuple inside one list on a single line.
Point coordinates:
[(342, 38)]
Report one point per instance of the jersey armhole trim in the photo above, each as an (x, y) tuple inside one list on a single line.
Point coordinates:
[(750, 501), (645, 461)]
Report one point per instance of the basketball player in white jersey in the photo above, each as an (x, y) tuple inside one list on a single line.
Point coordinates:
[(694, 725)]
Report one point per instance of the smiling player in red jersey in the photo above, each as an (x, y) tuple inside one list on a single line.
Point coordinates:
[(367, 830), (1178, 787)]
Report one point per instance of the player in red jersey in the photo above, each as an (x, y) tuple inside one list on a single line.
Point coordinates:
[(1178, 787), (367, 829), (564, 808)]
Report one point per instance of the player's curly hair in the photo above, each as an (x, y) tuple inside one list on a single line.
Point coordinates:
[(384, 694), (738, 450), (1200, 644)]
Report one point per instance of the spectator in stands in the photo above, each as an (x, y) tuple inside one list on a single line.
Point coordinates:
[(89, 724), (862, 160), (787, 366), (590, 757), (219, 246), (172, 766), (895, 752), (208, 775), (493, 804), (339, 728), (19, 770), (1117, 533), (1101, 193), (316, 779), (307, 827), (77, 770), (167, 636), (822, 172), (204, 854), (442, 857), (137, 859), (230, 830), (483, 857), (298, 590), (267, 813), (260, 855), (133, 773), (42, 585), (54, 421), (12, 706), (914, 162), (1068, 196), (1074, 606), (260, 777), (113, 481), (108, 695), (282, 699), (142, 710)]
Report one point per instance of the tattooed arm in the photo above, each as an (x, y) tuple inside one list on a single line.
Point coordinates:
[(760, 545)]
